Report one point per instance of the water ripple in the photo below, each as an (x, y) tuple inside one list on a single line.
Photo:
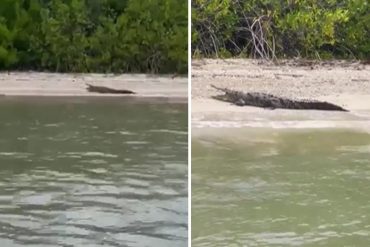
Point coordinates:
[(92, 178)]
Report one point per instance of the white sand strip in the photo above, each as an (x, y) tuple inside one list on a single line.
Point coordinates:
[(342, 83), (56, 84)]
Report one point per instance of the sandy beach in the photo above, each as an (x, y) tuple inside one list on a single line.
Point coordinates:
[(340, 82), (31, 84)]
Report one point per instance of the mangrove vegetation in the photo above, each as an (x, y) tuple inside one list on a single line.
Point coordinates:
[(147, 36), (320, 29)]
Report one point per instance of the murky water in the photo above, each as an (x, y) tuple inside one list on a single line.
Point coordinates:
[(93, 174), (281, 188)]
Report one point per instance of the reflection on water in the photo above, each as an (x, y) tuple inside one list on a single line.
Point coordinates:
[(278, 188), (93, 174)]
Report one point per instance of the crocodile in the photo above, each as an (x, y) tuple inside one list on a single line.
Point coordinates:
[(271, 101), (100, 89)]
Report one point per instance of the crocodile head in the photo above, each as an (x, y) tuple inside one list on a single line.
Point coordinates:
[(234, 97), (223, 97)]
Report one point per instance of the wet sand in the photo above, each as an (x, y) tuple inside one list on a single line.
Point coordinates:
[(31, 84), (343, 83)]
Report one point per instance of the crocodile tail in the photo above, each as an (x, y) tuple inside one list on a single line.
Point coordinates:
[(325, 106)]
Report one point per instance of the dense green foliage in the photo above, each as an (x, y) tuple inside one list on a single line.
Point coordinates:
[(94, 35), (282, 28)]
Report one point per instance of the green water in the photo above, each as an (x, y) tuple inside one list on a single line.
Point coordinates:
[(276, 188), (93, 173)]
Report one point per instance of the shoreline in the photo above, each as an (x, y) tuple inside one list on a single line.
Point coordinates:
[(345, 84), (111, 98), (58, 85)]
